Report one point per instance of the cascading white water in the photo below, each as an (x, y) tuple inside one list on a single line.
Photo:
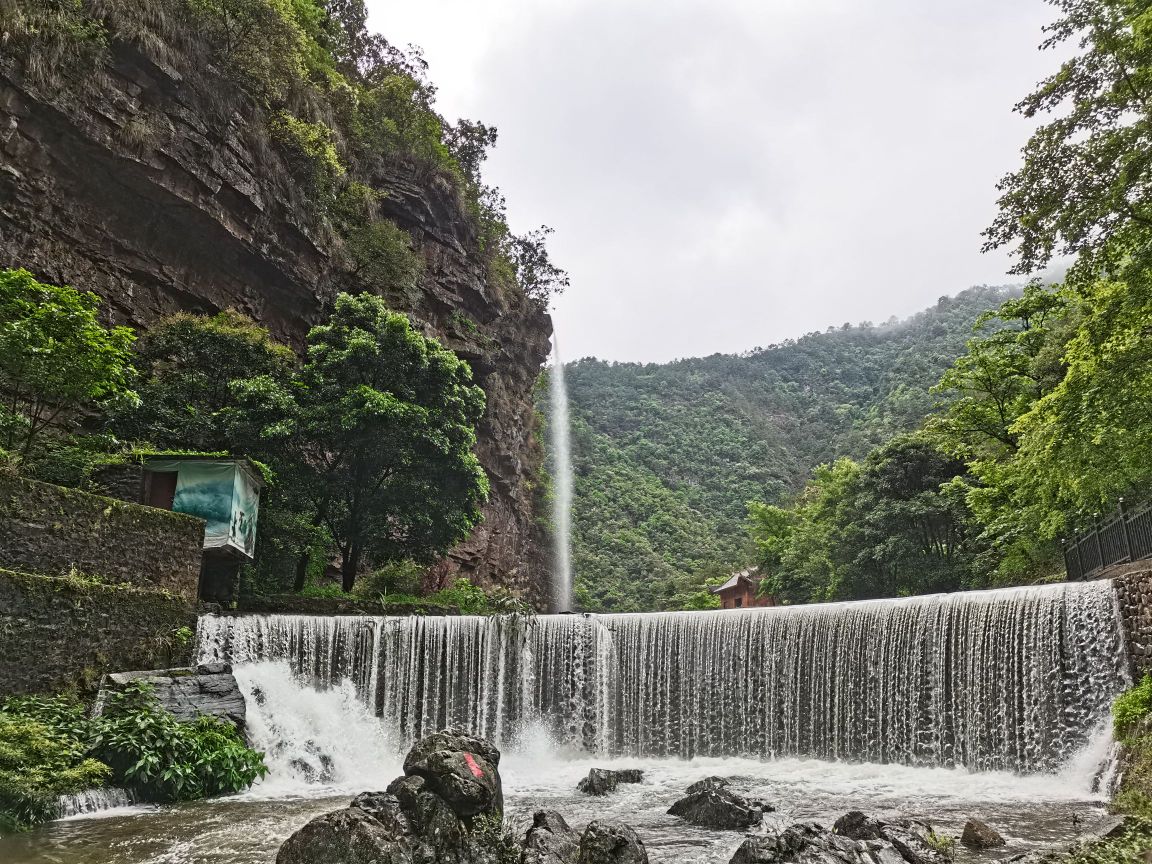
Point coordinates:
[(1015, 679), (562, 484), (92, 801), (308, 736)]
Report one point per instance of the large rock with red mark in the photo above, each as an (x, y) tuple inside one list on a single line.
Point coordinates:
[(446, 809), (461, 769)]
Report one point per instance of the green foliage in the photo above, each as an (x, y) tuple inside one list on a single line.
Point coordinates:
[(497, 840), (270, 46), (1086, 181), (49, 747), (895, 524), (190, 367), (375, 434), (38, 764), (310, 152), (163, 759), (52, 38), (1131, 707), (56, 359), (383, 259), (1129, 847), (941, 843), (472, 600), (666, 456), (394, 577)]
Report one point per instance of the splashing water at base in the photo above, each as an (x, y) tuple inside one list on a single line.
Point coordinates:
[(312, 737)]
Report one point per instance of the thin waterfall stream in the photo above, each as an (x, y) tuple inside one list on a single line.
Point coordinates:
[(560, 434)]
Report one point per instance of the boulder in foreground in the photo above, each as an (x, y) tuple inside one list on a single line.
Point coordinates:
[(442, 810), (978, 834), (611, 843)]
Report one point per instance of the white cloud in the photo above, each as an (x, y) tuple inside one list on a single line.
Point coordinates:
[(728, 173)]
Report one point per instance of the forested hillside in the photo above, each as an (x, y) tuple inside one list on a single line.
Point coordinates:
[(667, 456)]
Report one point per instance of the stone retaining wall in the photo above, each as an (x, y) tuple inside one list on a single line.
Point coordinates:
[(1134, 594), (62, 633), (54, 531)]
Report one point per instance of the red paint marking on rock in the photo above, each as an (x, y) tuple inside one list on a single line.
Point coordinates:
[(473, 767)]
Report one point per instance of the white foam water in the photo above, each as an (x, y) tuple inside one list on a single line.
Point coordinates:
[(92, 801), (315, 741)]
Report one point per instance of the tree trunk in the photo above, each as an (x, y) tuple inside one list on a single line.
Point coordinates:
[(349, 566), (301, 571)]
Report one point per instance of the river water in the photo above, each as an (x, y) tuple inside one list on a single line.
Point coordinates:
[(1030, 812)]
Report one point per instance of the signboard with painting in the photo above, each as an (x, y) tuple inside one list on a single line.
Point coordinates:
[(225, 494)]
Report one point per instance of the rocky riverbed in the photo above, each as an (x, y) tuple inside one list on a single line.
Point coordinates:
[(1030, 812)]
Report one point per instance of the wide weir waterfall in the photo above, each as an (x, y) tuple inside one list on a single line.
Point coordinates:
[(1013, 679)]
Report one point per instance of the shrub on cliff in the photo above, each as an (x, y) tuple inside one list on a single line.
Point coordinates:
[(188, 366), (56, 359)]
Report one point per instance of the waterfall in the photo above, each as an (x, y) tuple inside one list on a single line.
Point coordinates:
[(1014, 679), (562, 484), (91, 801)]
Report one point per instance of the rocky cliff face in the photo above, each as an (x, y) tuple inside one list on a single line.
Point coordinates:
[(153, 184)]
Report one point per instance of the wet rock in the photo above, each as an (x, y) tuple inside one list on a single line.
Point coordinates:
[(459, 768), (718, 807), (187, 693), (430, 816), (606, 842), (425, 816), (350, 836), (601, 781), (707, 783), (856, 839), (857, 826), (803, 843), (550, 840), (912, 840), (979, 835)]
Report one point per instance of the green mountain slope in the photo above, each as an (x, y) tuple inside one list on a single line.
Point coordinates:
[(667, 455)]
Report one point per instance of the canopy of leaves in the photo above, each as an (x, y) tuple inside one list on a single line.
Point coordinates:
[(188, 370), (56, 359), (50, 747), (1086, 181), (374, 436)]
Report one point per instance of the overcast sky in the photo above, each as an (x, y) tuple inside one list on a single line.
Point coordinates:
[(723, 174)]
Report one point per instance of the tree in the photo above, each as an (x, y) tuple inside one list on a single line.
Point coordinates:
[(376, 432), (189, 369), (1085, 187), (1014, 361), (1085, 443), (893, 524), (56, 359), (1008, 369)]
